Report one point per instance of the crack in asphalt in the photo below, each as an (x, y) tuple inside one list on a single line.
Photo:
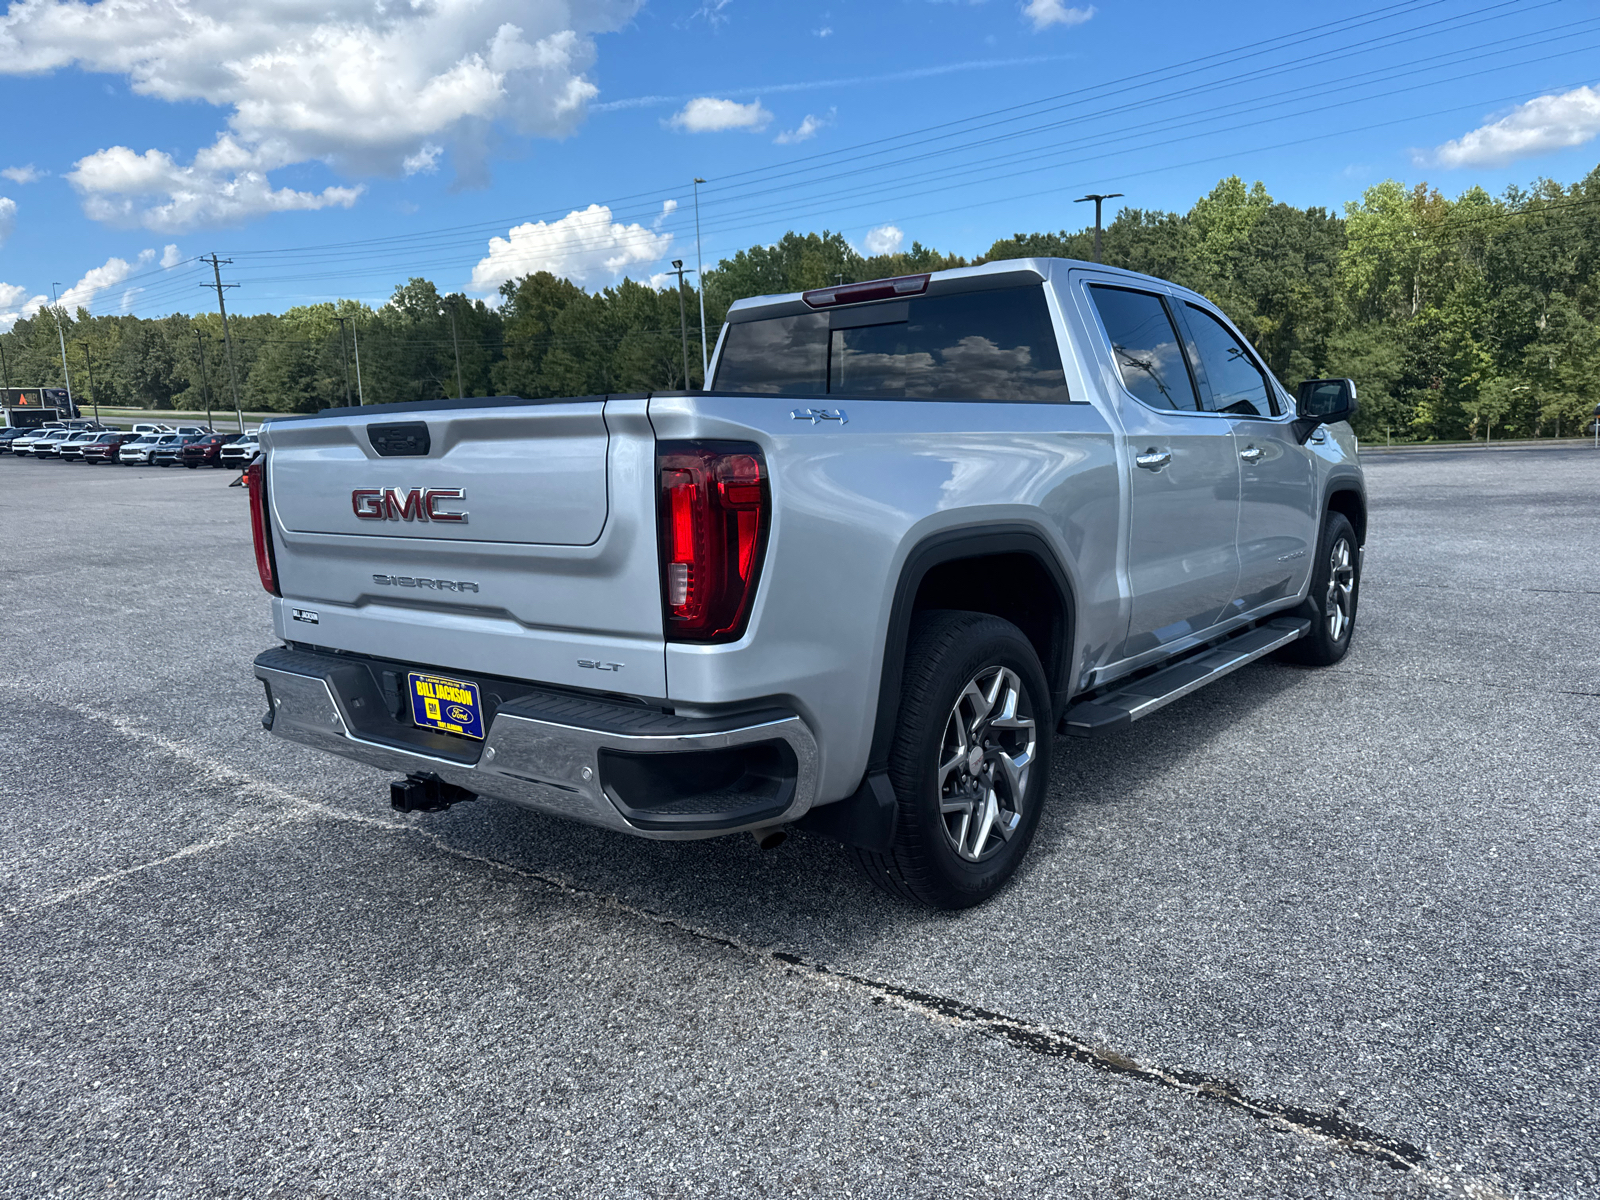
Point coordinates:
[(1328, 1128)]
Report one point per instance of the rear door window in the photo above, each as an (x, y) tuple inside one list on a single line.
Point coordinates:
[(1145, 345), (995, 345), (1238, 386)]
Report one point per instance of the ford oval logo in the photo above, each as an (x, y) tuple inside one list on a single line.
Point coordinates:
[(461, 716)]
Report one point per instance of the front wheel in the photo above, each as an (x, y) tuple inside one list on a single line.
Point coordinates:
[(969, 763), (1331, 603)]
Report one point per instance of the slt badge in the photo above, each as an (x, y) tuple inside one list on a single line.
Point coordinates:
[(820, 414)]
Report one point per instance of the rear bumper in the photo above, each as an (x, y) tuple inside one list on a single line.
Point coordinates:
[(620, 766)]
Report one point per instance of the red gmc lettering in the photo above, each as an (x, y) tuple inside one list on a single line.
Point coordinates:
[(403, 504)]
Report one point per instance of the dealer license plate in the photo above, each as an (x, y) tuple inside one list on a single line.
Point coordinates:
[(447, 704)]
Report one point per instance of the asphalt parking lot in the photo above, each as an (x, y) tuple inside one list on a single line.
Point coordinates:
[(1305, 933)]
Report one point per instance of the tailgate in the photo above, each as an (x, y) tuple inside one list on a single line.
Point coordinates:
[(509, 538)]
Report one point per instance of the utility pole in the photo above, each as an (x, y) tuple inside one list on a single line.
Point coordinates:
[(5, 374), (683, 321), (355, 336), (700, 270), (227, 339), (344, 353), (205, 384), (1098, 200), (61, 336), (456, 342), (93, 398)]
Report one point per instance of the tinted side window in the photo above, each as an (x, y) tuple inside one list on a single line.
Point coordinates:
[(780, 356), (1146, 347), (994, 345), (1237, 384)]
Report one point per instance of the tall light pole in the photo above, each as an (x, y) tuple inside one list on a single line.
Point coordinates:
[(700, 270), (205, 384), (683, 321), (62, 338), (93, 398), (355, 336), (1098, 200), (455, 341), (344, 353)]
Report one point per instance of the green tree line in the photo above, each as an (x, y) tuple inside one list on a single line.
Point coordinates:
[(1455, 316)]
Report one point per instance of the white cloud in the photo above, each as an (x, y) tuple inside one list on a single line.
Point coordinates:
[(585, 246), (98, 279), (424, 161), (363, 87), (704, 114), (1045, 13), (806, 130), (170, 257), (15, 303), (711, 10), (27, 174), (668, 207), (825, 31), (221, 187), (885, 239), (1541, 125), (8, 218)]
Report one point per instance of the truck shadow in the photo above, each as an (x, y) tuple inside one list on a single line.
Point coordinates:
[(808, 895)]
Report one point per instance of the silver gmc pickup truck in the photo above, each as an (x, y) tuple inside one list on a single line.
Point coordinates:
[(915, 528)]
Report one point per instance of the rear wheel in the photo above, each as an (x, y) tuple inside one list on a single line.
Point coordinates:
[(1331, 603), (969, 763)]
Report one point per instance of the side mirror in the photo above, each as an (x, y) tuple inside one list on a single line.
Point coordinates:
[(1324, 402)]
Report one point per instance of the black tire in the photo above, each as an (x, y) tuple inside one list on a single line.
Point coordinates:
[(947, 650), (192, 466), (1326, 644)]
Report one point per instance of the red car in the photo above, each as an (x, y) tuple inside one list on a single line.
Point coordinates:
[(104, 448), (207, 450)]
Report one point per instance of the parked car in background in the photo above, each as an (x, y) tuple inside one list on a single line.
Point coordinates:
[(10, 434), (151, 427), (207, 451), (22, 445), (170, 449), (137, 452), (105, 446), (71, 450), (48, 445), (196, 430), (238, 453)]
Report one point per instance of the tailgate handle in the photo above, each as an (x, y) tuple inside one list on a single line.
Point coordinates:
[(399, 439)]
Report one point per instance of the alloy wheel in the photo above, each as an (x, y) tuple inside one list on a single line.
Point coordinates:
[(1340, 604), (985, 759)]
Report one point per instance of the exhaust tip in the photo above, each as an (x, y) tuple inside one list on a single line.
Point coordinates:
[(770, 838)]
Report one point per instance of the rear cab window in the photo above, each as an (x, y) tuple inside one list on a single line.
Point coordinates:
[(1146, 347), (995, 345)]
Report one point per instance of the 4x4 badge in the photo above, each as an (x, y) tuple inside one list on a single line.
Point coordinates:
[(820, 414)]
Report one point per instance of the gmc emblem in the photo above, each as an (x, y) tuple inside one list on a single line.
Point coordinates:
[(398, 504)]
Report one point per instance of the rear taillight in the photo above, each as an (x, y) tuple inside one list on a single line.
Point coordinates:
[(256, 481), (715, 506)]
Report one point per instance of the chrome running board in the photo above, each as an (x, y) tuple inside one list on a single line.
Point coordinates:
[(1109, 713)]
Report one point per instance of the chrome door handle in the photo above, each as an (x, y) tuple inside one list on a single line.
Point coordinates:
[(1153, 460), (1251, 455)]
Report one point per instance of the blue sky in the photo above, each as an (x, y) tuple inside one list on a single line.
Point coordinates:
[(336, 152)]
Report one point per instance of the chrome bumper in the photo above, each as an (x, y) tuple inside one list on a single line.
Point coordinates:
[(552, 765)]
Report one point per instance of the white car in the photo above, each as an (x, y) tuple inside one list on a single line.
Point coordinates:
[(196, 430), (72, 447), (147, 427), (137, 452), (22, 445), (238, 454), (46, 445)]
